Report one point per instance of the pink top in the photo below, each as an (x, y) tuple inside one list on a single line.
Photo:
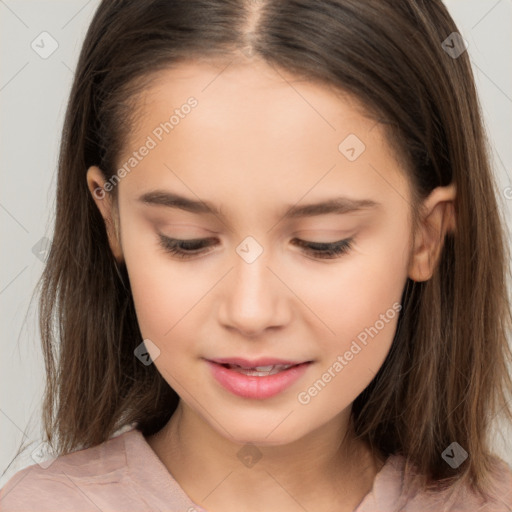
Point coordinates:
[(124, 474)]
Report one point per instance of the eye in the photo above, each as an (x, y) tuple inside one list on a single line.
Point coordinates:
[(184, 248), (324, 250), (189, 248)]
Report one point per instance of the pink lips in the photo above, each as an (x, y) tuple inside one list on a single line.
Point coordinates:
[(250, 386)]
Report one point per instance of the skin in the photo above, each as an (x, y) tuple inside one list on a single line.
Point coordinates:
[(257, 141)]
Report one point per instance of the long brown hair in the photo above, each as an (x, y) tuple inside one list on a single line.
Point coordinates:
[(445, 378)]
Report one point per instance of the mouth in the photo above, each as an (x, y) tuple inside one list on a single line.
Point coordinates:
[(254, 379), (260, 371)]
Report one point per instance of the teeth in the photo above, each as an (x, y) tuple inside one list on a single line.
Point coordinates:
[(260, 371), (264, 368)]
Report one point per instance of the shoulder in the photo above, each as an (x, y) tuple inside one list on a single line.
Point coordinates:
[(66, 482), (398, 486), (462, 498), (33, 488)]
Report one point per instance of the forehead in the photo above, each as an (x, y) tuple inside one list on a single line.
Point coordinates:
[(251, 95), (253, 130)]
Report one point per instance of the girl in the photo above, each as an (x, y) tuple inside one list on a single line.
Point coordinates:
[(278, 279)]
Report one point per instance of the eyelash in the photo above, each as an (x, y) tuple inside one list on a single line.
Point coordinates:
[(318, 250)]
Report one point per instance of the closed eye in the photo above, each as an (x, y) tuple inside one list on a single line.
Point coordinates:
[(184, 249)]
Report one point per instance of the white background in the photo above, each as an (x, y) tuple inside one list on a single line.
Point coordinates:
[(33, 96)]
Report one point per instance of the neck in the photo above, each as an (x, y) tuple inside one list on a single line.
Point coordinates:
[(313, 473)]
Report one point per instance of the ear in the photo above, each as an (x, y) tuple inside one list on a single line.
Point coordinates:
[(437, 217), (96, 185)]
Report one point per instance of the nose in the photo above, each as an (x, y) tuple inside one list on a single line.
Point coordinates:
[(254, 298)]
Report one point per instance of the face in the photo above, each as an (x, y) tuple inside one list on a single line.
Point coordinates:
[(319, 286)]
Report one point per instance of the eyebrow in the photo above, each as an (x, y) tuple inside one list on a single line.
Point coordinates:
[(336, 205)]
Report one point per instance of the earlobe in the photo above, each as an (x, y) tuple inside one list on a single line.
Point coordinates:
[(437, 218), (103, 200)]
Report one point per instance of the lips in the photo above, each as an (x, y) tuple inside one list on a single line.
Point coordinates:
[(257, 379)]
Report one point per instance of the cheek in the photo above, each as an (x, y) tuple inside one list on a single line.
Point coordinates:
[(362, 308), (164, 298), (360, 302), (164, 290)]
